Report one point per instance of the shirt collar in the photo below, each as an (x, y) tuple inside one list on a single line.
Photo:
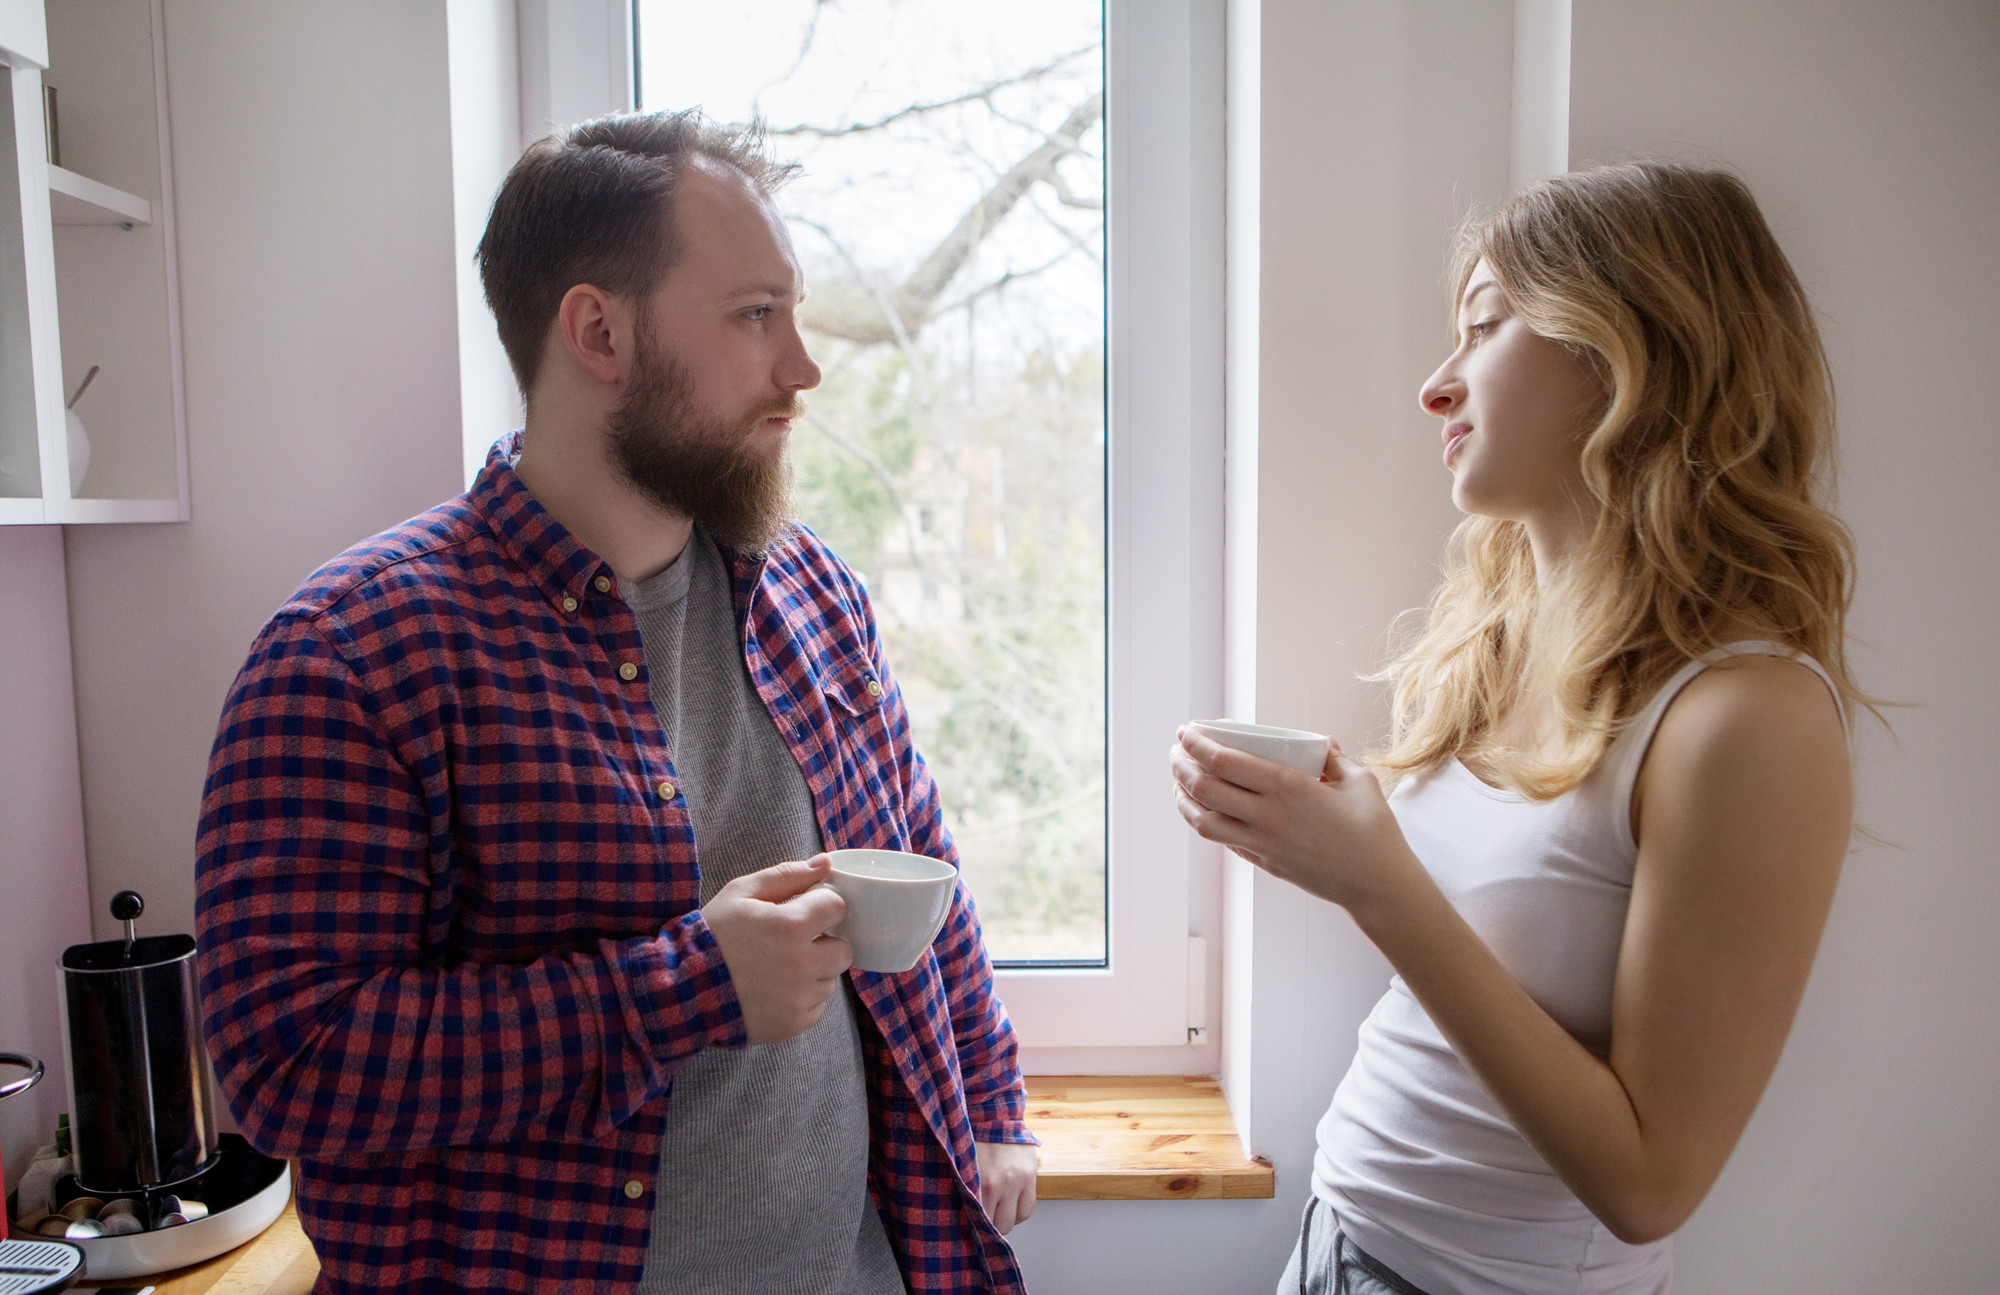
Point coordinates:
[(558, 563)]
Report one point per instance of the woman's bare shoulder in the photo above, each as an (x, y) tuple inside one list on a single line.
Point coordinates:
[(1749, 730), (1754, 690)]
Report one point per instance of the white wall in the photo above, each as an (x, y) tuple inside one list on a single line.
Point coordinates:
[(42, 891), (1868, 132), (312, 155)]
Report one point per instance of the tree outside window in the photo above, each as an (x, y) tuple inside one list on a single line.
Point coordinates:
[(951, 226)]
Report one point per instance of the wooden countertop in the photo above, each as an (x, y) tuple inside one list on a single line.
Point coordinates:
[(1104, 1137), (279, 1261)]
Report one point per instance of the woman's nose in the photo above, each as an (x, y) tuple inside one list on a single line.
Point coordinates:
[(1440, 392)]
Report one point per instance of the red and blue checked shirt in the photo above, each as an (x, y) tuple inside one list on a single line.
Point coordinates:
[(450, 950)]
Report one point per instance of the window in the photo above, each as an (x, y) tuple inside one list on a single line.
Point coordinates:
[(950, 223), (1011, 229)]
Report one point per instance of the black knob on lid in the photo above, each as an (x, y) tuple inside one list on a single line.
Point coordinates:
[(126, 905)]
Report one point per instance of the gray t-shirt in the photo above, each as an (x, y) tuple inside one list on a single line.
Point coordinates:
[(764, 1169)]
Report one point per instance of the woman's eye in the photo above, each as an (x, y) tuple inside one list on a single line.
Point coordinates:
[(756, 314)]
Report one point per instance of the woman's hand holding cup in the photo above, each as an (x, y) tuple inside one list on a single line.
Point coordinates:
[(1326, 828)]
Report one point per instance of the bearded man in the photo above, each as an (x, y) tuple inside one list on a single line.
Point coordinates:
[(507, 912)]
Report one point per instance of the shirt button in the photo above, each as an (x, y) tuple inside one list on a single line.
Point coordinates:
[(628, 672), (569, 603), (603, 584), (874, 689), (634, 1189), (666, 791)]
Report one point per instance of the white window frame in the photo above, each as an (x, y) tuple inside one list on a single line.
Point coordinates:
[(1163, 102), (1163, 119)]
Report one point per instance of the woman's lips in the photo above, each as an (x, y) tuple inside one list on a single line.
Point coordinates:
[(1453, 434)]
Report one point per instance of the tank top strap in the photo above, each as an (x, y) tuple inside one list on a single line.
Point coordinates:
[(1764, 647), (1620, 771)]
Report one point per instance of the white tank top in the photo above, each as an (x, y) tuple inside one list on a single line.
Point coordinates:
[(1423, 1169)]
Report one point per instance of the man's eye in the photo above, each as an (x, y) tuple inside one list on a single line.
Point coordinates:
[(756, 314)]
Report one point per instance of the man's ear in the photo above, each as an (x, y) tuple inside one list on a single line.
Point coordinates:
[(595, 329)]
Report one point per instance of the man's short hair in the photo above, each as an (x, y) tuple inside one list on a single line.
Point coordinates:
[(595, 204)]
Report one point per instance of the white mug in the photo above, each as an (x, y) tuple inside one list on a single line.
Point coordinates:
[(1297, 748), (896, 905)]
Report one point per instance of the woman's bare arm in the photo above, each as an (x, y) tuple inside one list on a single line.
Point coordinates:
[(1743, 813)]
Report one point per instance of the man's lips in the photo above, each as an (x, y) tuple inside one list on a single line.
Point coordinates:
[(784, 416), (1453, 434)]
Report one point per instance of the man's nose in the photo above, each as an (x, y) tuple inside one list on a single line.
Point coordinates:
[(796, 370)]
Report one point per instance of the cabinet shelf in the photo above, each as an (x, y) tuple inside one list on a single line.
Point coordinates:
[(87, 270), (79, 200)]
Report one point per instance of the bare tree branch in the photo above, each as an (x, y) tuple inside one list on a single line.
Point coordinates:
[(984, 92), (827, 316), (882, 478), (1067, 234), (805, 48), (910, 306), (1068, 198), (920, 291), (1012, 276)]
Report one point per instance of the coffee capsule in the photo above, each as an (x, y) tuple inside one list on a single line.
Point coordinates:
[(82, 1230), (194, 1210), (121, 1225), (54, 1225), (83, 1207), (122, 1205), (173, 1220), (32, 1220)]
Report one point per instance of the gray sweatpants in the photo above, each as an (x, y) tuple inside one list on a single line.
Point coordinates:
[(1326, 1262)]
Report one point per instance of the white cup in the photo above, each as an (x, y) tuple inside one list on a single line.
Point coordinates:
[(1297, 748), (896, 905)]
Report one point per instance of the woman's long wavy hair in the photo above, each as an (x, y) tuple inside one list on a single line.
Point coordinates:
[(1709, 468)]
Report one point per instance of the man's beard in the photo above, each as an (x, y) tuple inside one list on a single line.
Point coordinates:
[(702, 468)]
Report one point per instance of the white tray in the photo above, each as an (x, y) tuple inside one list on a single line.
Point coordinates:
[(144, 1253)]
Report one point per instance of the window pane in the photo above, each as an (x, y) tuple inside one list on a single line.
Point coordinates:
[(951, 226)]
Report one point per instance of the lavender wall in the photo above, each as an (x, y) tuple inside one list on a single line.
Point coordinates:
[(312, 157), (1867, 132), (43, 888)]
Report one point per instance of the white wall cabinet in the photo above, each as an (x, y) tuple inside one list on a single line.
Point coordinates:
[(87, 270)]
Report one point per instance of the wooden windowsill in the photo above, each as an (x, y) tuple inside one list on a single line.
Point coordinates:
[(1140, 1138)]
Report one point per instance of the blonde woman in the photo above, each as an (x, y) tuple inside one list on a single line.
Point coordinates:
[(1620, 779)]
